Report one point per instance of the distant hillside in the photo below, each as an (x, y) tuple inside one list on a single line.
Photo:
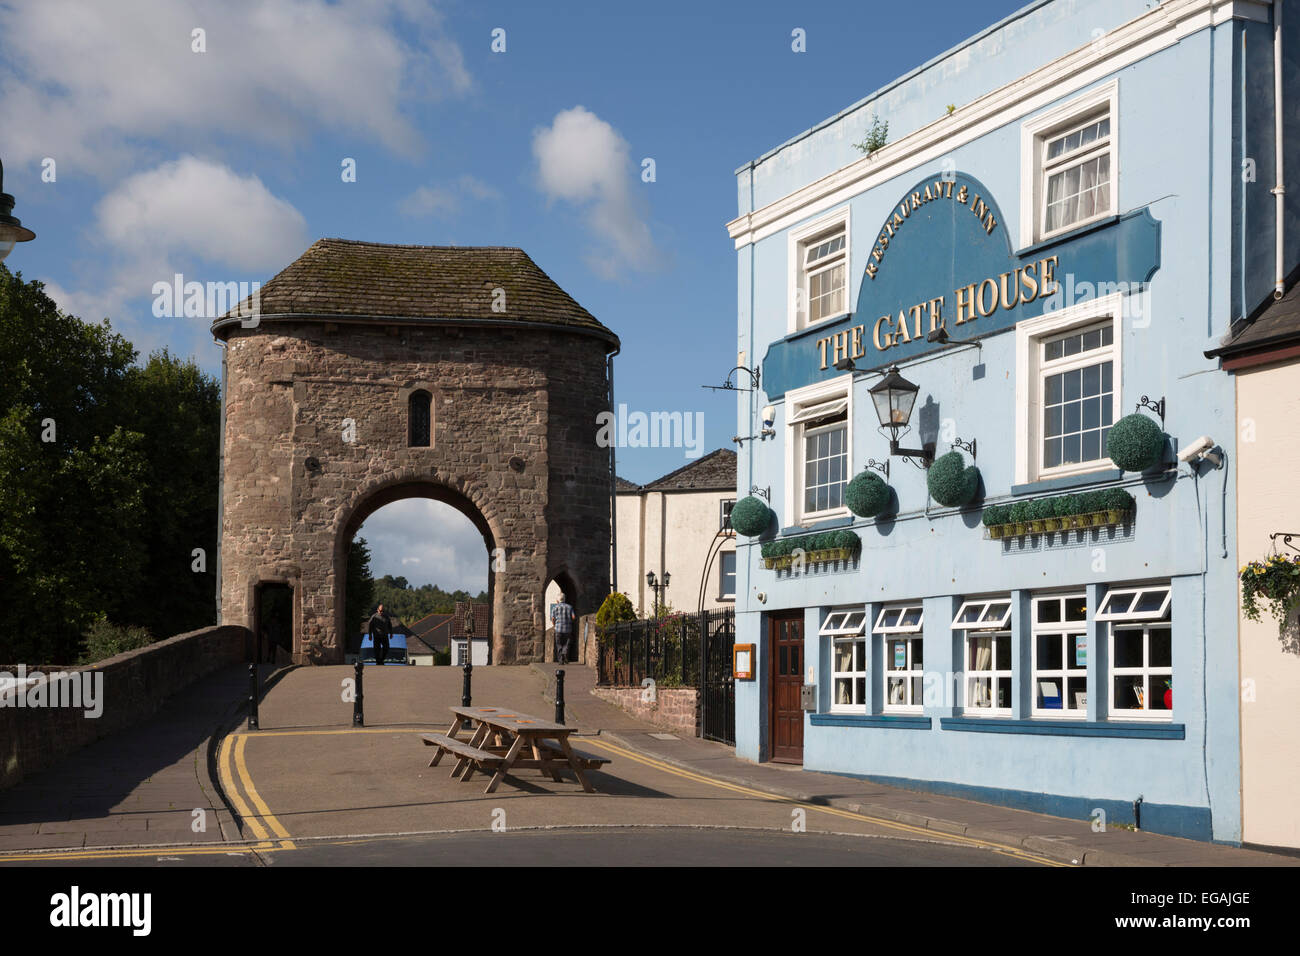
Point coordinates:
[(407, 604)]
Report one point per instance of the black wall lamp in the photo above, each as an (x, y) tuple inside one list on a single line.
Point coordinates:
[(11, 230), (894, 397)]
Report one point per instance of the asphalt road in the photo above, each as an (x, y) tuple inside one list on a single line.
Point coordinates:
[(613, 846)]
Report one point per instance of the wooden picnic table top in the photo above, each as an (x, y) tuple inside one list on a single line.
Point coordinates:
[(514, 721)]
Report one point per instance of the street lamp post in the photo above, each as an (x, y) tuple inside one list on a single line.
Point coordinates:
[(11, 229), (658, 589)]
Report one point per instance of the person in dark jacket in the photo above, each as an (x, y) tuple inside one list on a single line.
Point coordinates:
[(381, 628)]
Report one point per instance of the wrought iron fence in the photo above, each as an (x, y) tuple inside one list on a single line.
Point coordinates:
[(677, 650)]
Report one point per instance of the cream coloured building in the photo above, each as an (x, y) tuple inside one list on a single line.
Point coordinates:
[(1264, 357), (678, 526)]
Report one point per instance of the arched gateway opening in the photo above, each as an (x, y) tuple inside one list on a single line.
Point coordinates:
[(370, 373), (401, 491)]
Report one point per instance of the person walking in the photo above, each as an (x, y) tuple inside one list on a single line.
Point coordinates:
[(562, 618), (381, 628)]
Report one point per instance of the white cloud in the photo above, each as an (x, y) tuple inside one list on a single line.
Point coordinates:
[(195, 207), (92, 83), (445, 201), (583, 160), (192, 216), (427, 542)]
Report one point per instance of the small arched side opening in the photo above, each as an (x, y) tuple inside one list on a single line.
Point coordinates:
[(561, 585)]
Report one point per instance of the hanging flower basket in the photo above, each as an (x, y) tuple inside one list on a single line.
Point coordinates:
[(1275, 582)]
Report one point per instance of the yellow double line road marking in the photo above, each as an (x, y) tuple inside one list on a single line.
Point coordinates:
[(232, 756), (1004, 849)]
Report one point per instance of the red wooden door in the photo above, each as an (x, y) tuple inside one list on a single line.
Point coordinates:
[(785, 638)]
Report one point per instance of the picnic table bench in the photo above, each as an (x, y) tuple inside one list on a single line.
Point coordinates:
[(506, 740)]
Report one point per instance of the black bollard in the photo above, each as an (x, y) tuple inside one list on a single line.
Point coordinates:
[(559, 697), (464, 693), (358, 712), (252, 696)]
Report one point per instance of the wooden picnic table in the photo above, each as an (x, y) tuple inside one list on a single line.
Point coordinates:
[(504, 740)]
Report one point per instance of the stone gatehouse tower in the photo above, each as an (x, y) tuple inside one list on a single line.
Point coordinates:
[(378, 372)]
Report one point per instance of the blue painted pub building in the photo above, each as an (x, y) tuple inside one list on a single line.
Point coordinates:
[(1053, 254)]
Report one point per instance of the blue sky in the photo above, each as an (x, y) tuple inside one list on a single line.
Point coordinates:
[(225, 164)]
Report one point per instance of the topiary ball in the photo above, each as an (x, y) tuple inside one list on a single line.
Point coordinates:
[(1018, 513), (951, 481), (750, 516), (867, 495), (1135, 443)]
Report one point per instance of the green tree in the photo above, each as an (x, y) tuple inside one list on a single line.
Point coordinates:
[(70, 476), (108, 475), (360, 592), (176, 408)]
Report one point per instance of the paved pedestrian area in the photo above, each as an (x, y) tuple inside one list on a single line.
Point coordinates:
[(308, 779)]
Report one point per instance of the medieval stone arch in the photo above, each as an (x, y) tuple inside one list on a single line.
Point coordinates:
[(316, 437)]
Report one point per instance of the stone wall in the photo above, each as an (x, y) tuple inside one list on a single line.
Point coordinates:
[(135, 685), (674, 707), (513, 447)]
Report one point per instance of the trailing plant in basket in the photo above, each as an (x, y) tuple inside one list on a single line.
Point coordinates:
[(1276, 582)]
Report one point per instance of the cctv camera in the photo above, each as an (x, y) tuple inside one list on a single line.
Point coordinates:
[(1197, 449), (769, 416)]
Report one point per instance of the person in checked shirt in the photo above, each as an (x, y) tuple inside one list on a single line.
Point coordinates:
[(562, 618)]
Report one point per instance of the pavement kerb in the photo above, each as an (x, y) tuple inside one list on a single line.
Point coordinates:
[(1053, 849), (234, 717)]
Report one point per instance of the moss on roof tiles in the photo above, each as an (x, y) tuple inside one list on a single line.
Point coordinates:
[(345, 277)]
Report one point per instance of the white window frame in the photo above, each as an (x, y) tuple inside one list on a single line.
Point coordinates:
[(912, 636), (724, 594), (1034, 136), (1150, 675), (1030, 335), (847, 626), (995, 625), (1060, 631), (798, 241), (1108, 612), (724, 513), (800, 400)]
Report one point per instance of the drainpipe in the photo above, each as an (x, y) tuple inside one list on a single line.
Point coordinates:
[(613, 482), (1279, 191), (221, 473)]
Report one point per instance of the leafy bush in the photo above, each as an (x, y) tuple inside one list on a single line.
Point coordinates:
[(995, 515), (1018, 513), (1065, 506), (951, 482), (1117, 499), (848, 539), (614, 609), (1135, 443), (1040, 509), (751, 516), (867, 495), (103, 640), (1092, 501)]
